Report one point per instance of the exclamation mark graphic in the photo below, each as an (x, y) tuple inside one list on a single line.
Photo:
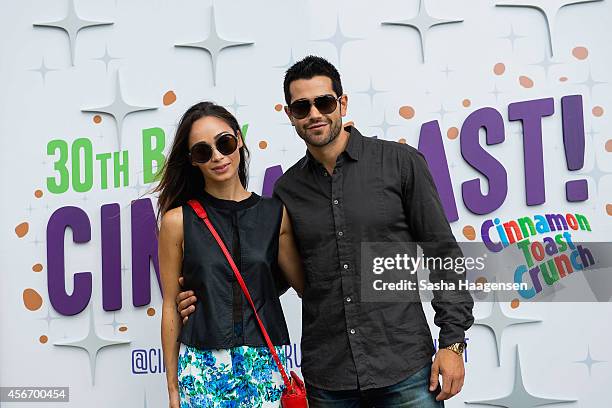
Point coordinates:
[(573, 142)]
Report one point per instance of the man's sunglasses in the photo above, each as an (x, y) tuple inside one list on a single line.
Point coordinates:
[(325, 104), (226, 144)]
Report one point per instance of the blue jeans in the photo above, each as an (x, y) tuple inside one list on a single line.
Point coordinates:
[(413, 392)]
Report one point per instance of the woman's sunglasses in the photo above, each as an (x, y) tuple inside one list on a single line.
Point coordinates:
[(325, 104), (202, 152)]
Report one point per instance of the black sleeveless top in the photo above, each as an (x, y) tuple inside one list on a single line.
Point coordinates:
[(223, 318)]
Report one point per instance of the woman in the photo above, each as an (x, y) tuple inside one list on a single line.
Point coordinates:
[(220, 357)]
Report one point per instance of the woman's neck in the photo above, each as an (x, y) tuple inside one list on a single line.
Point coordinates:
[(227, 190)]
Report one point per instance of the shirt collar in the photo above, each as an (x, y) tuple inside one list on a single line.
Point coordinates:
[(353, 147)]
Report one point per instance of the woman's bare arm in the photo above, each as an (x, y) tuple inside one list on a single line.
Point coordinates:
[(289, 258), (170, 260)]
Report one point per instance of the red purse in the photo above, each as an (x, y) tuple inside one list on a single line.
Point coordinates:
[(294, 395)]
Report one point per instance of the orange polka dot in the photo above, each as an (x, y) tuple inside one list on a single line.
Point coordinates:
[(402, 141), (481, 280), (525, 81), (43, 339), (38, 193), (469, 232), (278, 107), (515, 303), (580, 53), (37, 268), (609, 209), (263, 145), (466, 103), (499, 68), (598, 111), (563, 79), (123, 329), (169, 98), (97, 119), (452, 133), (609, 146), (406, 112), (151, 311), (31, 299), (22, 229)]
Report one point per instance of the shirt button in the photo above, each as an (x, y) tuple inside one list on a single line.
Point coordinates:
[(340, 233), (352, 331), (345, 266), (325, 174), (336, 202), (348, 299)]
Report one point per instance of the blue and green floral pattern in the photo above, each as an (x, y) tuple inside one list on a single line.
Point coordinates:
[(230, 378)]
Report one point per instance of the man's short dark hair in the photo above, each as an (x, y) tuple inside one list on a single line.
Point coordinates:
[(309, 67)]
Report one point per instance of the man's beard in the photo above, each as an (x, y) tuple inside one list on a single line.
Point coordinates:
[(317, 141)]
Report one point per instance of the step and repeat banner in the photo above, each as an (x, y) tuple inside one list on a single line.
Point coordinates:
[(509, 100)]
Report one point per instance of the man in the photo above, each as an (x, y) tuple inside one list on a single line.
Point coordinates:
[(346, 191)]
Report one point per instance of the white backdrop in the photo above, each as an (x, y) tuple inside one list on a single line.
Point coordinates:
[(495, 56)]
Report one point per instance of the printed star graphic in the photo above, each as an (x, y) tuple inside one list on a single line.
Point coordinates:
[(44, 70), (235, 106), (497, 322), (106, 58), (384, 125), (512, 37), (589, 361), (372, 92), (422, 23), (290, 63), (519, 396), (338, 38), (590, 83), (546, 63), (118, 109), (214, 44), (72, 24), (549, 8), (442, 112), (92, 344)]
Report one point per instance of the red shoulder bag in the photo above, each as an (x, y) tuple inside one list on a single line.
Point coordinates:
[(294, 395)]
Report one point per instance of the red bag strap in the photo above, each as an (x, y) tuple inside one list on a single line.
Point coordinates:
[(201, 212)]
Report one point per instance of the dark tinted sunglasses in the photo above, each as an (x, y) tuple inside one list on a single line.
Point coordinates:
[(325, 104), (226, 144)]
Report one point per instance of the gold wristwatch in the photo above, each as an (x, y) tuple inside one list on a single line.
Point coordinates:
[(457, 348)]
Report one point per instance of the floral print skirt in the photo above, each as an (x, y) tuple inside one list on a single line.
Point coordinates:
[(229, 378)]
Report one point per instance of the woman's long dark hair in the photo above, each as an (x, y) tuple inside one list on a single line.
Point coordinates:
[(180, 180)]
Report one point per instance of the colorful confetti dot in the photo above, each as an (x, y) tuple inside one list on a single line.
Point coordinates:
[(169, 98), (31, 299), (563, 79), (609, 209), (37, 267), (278, 107), (598, 111), (406, 112), (22, 229), (38, 193), (43, 339), (263, 145), (469, 232), (499, 68), (609, 146), (97, 119), (525, 81), (580, 53), (452, 133), (481, 280), (466, 103), (123, 329), (151, 311), (515, 303), (402, 141)]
